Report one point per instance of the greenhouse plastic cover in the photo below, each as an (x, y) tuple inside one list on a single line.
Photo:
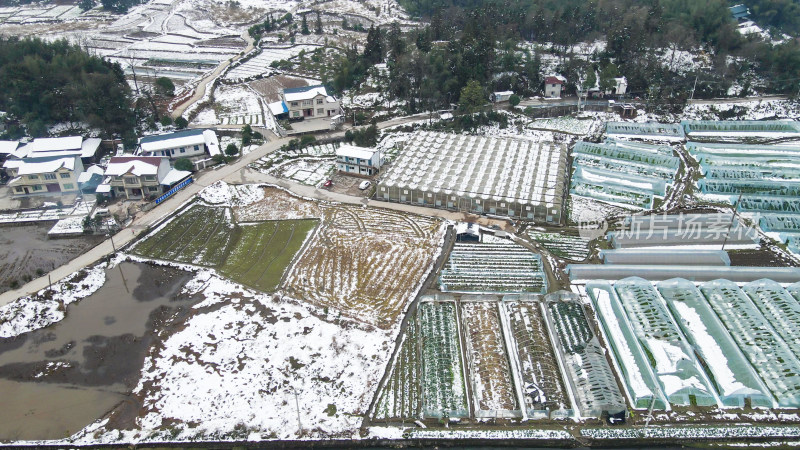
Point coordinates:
[(586, 272), (666, 257)]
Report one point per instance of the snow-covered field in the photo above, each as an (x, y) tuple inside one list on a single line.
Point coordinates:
[(260, 64), (243, 364), (238, 105)]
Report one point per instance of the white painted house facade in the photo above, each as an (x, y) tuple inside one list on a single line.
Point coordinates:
[(553, 85), (180, 144), (358, 160), (310, 102)]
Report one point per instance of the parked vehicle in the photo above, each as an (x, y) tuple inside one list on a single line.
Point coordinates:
[(364, 185)]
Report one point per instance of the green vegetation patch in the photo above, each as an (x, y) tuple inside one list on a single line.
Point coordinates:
[(202, 235), (263, 252)]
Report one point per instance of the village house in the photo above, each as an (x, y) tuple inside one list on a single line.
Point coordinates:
[(310, 102), (180, 144), (553, 85), (48, 175), (138, 177), (354, 160), (48, 166)]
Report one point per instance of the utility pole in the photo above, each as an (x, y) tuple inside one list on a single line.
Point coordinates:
[(297, 405), (730, 225)]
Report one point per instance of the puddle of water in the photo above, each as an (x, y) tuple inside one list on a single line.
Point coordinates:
[(59, 379)]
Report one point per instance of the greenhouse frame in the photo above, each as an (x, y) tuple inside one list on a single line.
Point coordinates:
[(740, 128), (511, 177), (665, 256), (672, 360), (779, 307), (671, 132), (630, 361), (730, 373), (777, 366), (743, 274), (586, 370)]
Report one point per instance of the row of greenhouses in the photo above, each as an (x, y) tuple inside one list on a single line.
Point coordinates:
[(485, 357), (677, 344), (763, 181), (732, 129), (618, 172), (671, 132)]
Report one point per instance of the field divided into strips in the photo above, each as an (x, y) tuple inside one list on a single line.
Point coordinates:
[(490, 374), (260, 64), (493, 268), (365, 263), (443, 390), (630, 175), (277, 158), (574, 248), (264, 250), (400, 397), (541, 384), (200, 235)]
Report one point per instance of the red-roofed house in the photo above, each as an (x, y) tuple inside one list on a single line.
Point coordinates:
[(135, 176), (553, 86)]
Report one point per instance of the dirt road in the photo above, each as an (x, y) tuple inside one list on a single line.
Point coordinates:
[(208, 79)]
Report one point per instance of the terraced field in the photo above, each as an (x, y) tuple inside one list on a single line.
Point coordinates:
[(400, 398)]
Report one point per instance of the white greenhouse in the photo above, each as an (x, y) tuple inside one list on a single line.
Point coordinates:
[(518, 178)]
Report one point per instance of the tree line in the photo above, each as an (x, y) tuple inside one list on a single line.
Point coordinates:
[(47, 83), (492, 42)]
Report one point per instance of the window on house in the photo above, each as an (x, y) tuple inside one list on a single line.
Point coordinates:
[(319, 101), (150, 178), (37, 187), (69, 186), (49, 176), (19, 189), (183, 150), (196, 147), (295, 113), (65, 175), (131, 180), (33, 177), (307, 103), (320, 110), (120, 189), (294, 103), (152, 188)]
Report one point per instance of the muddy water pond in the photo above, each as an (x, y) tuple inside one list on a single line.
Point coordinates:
[(57, 380)]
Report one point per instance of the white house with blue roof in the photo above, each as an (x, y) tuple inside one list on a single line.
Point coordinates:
[(180, 144)]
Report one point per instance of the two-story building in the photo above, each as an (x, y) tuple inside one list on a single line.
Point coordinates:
[(354, 160), (310, 102), (553, 85), (135, 177), (180, 144), (47, 175)]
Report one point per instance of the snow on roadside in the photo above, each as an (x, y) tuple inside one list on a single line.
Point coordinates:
[(31, 313), (222, 193), (235, 368)]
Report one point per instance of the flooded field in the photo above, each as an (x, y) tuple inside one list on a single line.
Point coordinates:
[(59, 379), (26, 249)]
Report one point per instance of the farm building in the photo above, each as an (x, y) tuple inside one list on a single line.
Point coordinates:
[(510, 177), (501, 96), (180, 144), (310, 102), (7, 148), (86, 149), (358, 160), (553, 85), (135, 177)]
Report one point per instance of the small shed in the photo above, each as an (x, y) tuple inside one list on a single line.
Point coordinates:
[(501, 96)]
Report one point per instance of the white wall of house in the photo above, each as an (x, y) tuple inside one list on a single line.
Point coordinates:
[(552, 90)]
